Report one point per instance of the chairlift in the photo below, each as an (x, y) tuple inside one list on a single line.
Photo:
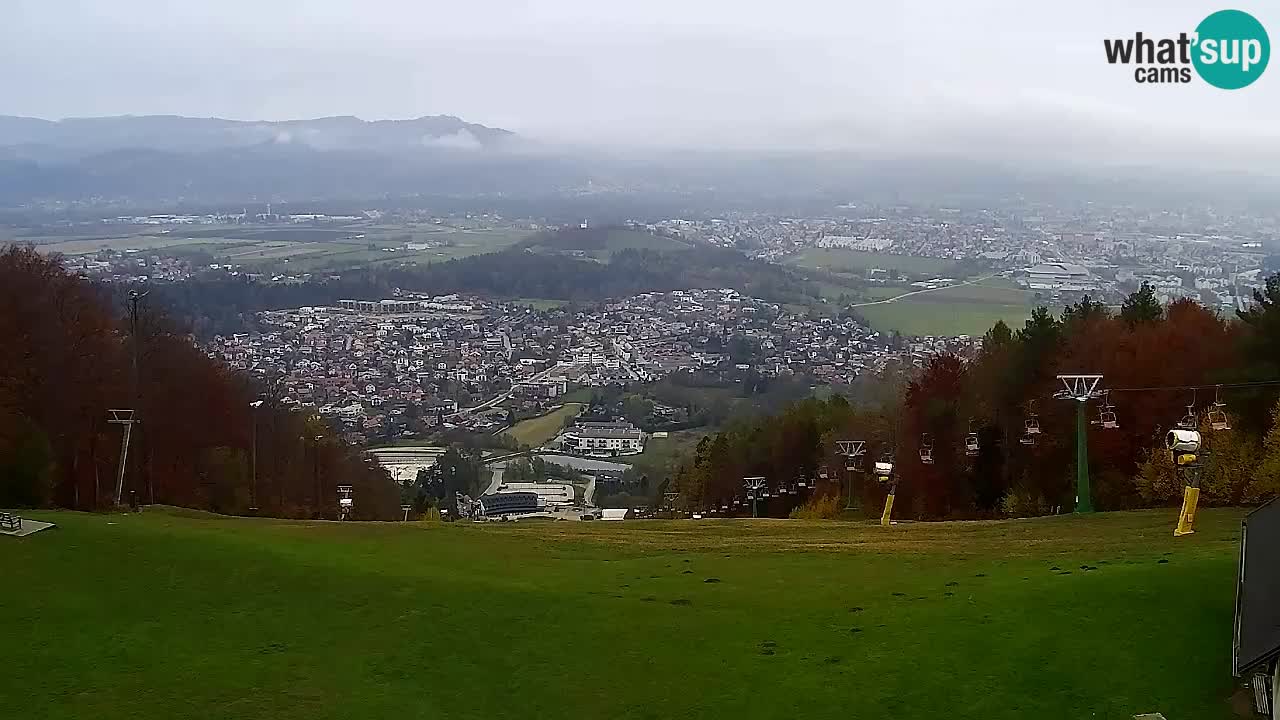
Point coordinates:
[(1032, 424), (926, 449), (1027, 438), (1190, 421), (1217, 415), (883, 467), (971, 444), (1106, 413)]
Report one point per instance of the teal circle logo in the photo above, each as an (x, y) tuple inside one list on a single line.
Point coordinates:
[(1231, 49)]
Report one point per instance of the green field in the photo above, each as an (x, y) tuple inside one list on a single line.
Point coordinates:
[(856, 261), (172, 614), (151, 242), (541, 303), (537, 431), (661, 455), (959, 310), (298, 248)]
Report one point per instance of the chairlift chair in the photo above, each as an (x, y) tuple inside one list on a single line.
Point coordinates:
[(1190, 421), (1107, 414), (926, 450), (971, 444), (1217, 416), (883, 468), (1032, 426), (1027, 438)]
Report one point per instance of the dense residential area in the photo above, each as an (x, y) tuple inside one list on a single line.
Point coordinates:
[(404, 366)]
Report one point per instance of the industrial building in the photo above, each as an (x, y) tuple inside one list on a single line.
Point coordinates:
[(508, 503), (1058, 277)]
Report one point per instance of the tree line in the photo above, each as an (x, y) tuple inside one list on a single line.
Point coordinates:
[(69, 353), (1150, 356)]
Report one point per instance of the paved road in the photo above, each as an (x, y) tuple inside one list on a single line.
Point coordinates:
[(495, 480)]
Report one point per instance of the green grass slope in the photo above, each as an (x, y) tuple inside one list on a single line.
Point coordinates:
[(176, 614)]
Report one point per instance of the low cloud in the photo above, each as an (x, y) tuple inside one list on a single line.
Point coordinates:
[(461, 140)]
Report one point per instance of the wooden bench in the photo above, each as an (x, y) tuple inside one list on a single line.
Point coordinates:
[(10, 522)]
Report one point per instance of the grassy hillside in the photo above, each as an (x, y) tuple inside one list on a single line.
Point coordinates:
[(538, 430), (174, 614)]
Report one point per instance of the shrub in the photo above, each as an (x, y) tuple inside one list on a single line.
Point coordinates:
[(821, 507), (1024, 502)]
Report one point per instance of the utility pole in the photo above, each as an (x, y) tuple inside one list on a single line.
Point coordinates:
[(1081, 388), (754, 485), (135, 382), (253, 456), (315, 472), (134, 297)]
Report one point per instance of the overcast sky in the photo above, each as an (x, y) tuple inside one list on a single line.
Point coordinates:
[(937, 76)]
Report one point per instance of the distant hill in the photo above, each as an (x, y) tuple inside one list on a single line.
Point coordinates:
[(526, 272), (600, 242), (168, 159), (183, 134)]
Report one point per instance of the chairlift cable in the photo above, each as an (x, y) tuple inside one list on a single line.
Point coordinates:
[(1214, 386)]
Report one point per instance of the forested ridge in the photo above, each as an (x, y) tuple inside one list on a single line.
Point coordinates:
[(221, 304), (1149, 354), (66, 358)]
